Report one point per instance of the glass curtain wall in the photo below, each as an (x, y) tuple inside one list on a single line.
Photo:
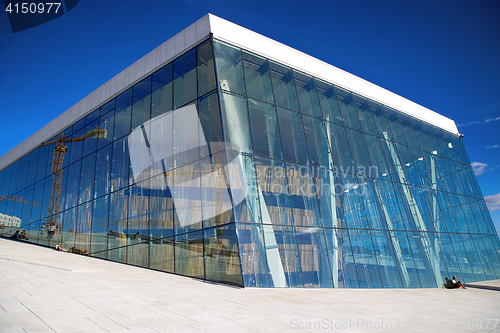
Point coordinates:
[(227, 166)]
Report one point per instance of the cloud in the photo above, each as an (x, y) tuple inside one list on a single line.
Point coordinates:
[(484, 121), (494, 146), (493, 202), (479, 168)]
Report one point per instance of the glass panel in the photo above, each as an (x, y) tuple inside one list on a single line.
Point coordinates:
[(211, 124), (253, 255), (352, 202), (347, 108), (117, 231), (99, 241), (485, 257), (123, 114), (138, 224), (206, 70), (317, 142), (222, 261), (411, 138), (185, 79), (187, 198), (316, 270), (292, 136), (389, 205), (472, 254), (83, 229), (308, 97), (257, 78), (462, 259), (106, 123), (92, 134), (189, 254), (421, 133), (372, 203), (120, 165), (235, 119), (73, 185), (23, 173), (378, 167), (69, 227), (397, 129), (33, 164), (14, 177), (265, 131), (341, 152), (285, 94), (215, 188), (364, 257), (87, 178), (402, 247), (341, 258), (161, 223), (303, 195), (243, 184), (282, 256), (102, 178), (365, 115), (359, 151), (449, 256), (79, 125), (384, 129), (273, 191), (328, 102), (388, 258), (141, 108), (93, 116), (161, 142), (330, 204), (186, 147), (45, 154), (492, 252), (162, 91), (108, 107), (229, 67)]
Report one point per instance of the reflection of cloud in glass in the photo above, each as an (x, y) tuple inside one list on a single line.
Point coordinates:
[(175, 139)]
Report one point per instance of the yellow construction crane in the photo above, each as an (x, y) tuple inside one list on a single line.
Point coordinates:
[(57, 172)]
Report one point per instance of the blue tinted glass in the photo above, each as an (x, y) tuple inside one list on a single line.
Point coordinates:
[(282, 256), (206, 69), (235, 122), (404, 255), (316, 270), (347, 108), (265, 131), (341, 258), (365, 259), (228, 63), (317, 142), (410, 135), (365, 115), (285, 94), (257, 78), (485, 257), (120, 165), (352, 201), (188, 254), (329, 198), (275, 199), (222, 266), (100, 227), (211, 124), (359, 151), (303, 195), (162, 91), (87, 178), (387, 258), (187, 198), (123, 114), (328, 101), (308, 97), (339, 145), (383, 127), (462, 259), (292, 136), (390, 206), (185, 79), (141, 108), (138, 224), (253, 255), (397, 129)]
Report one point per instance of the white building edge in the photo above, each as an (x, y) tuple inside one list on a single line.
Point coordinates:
[(234, 34)]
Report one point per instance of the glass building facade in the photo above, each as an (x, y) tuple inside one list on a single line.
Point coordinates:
[(228, 166)]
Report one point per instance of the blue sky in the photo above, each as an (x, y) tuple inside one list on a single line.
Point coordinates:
[(444, 55)]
